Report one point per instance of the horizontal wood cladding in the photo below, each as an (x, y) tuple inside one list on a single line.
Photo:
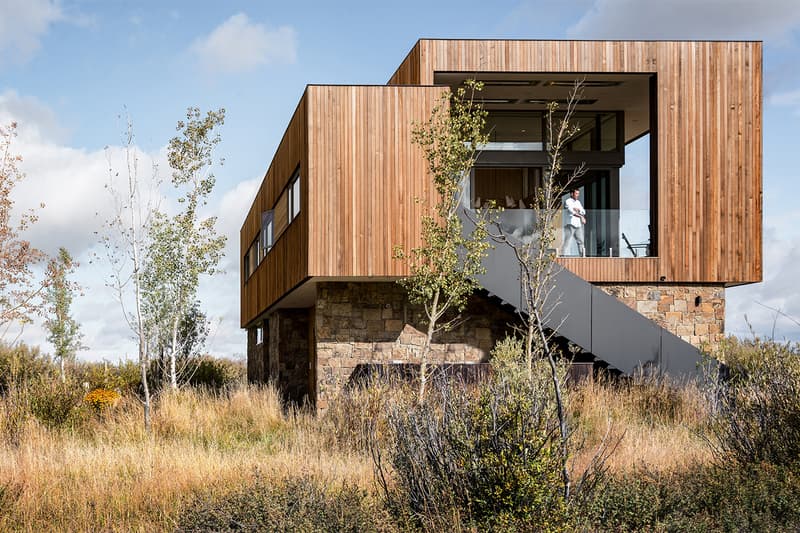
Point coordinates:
[(286, 264), (365, 176), (600, 269), (709, 142)]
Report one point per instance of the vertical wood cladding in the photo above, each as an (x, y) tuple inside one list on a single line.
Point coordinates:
[(365, 176), (361, 174), (709, 116), (286, 264), (409, 70)]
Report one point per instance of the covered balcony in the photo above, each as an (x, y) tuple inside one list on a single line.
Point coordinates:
[(615, 121)]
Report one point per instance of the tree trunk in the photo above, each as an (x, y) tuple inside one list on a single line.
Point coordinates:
[(173, 372), (426, 348), (562, 418), (145, 390)]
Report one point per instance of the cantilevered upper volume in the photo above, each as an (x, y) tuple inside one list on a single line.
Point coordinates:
[(670, 133)]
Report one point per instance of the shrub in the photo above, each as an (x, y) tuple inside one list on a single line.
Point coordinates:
[(21, 363), (47, 400), (215, 373), (758, 497), (488, 456), (295, 504), (54, 403), (123, 377), (101, 399), (758, 413)]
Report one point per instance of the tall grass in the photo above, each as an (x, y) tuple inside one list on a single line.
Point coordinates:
[(68, 467), (651, 422), (110, 475)]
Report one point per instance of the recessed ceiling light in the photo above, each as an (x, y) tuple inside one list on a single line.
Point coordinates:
[(560, 101), (497, 100), (509, 83), (584, 83)]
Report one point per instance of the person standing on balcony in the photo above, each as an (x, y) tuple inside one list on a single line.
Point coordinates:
[(576, 219)]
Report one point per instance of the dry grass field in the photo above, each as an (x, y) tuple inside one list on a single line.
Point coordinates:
[(235, 458), (107, 474)]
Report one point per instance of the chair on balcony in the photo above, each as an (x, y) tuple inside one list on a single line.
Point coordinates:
[(634, 248)]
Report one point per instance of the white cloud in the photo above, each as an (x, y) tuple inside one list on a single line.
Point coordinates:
[(779, 290), (222, 308), (36, 120), (22, 25), (71, 182), (789, 99), (239, 45), (688, 19)]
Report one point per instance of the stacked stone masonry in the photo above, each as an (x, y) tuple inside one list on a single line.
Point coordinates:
[(355, 323), (358, 323), (257, 365), (695, 313)]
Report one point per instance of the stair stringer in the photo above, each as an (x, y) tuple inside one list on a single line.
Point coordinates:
[(594, 320)]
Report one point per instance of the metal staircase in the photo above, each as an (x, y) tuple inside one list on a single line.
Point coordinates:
[(599, 323)]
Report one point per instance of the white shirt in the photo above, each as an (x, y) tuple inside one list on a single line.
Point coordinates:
[(574, 208)]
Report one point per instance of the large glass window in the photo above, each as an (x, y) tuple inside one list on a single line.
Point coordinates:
[(514, 130), (595, 132), (510, 188)]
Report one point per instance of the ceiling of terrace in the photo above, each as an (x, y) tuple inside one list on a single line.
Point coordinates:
[(507, 91)]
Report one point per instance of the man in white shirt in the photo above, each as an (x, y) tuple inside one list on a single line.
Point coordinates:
[(576, 219)]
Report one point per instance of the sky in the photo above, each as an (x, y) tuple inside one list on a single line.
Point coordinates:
[(72, 73)]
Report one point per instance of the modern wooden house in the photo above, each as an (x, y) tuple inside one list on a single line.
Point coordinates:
[(318, 291)]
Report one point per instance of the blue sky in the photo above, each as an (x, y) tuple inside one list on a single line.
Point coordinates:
[(69, 69)]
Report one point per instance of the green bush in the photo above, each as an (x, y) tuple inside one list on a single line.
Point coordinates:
[(47, 400), (125, 376), (759, 497), (757, 418), (295, 504), (215, 373), (54, 403), (21, 363), (486, 456)]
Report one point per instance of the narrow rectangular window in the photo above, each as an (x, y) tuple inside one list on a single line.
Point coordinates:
[(295, 195), (251, 259), (266, 232)]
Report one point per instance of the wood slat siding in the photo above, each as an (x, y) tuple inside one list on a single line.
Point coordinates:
[(286, 264), (360, 172), (709, 109), (364, 176), (408, 72)]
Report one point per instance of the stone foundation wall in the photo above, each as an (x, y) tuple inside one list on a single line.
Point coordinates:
[(257, 369), (677, 309), (289, 352), (358, 323)]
